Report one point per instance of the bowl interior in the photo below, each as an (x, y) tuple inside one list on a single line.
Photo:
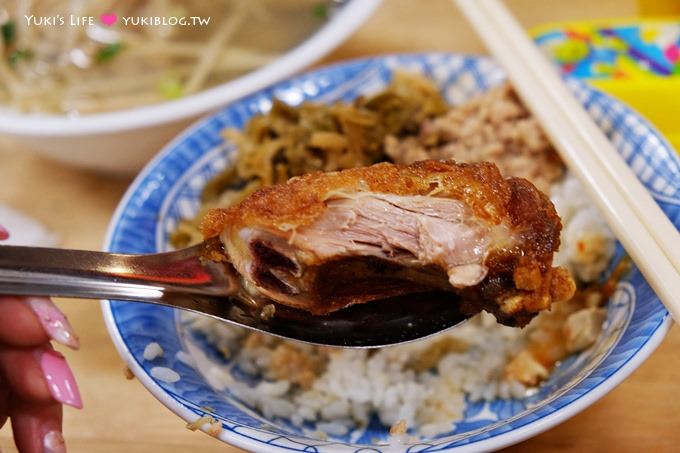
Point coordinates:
[(169, 190)]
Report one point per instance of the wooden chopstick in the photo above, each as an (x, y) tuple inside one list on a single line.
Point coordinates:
[(648, 236)]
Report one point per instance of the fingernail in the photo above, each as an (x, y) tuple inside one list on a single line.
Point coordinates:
[(60, 378), (53, 442), (4, 234), (54, 322)]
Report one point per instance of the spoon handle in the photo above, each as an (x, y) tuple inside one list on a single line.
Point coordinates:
[(98, 275)]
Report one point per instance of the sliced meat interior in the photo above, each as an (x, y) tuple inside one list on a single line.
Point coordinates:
[(325, 241)]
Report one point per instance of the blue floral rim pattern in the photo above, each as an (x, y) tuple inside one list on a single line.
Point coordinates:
[(169, 190)]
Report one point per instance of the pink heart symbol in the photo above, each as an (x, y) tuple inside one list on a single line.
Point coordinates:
[(108, 19)]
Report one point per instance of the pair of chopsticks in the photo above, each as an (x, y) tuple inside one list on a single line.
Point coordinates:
[(648, 236)]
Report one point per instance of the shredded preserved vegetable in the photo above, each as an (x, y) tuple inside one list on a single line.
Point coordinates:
[(294, 140)]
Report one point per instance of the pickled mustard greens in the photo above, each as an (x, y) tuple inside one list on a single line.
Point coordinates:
[(292, 141)]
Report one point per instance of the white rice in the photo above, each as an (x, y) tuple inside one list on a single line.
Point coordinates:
[(587, 242), (152, 351), (165, 374), (354, 383), (357, 383)]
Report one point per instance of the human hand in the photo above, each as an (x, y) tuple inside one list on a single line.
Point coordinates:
[(35, 380)]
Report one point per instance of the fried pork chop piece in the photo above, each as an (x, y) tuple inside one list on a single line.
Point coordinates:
[(325, 241)]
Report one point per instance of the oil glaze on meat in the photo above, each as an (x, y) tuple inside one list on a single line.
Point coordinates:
[(325, 241)]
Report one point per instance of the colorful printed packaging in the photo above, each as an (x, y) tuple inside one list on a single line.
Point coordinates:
[(636, 61)]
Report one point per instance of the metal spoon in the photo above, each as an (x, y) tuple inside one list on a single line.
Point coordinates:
[(185, 279)]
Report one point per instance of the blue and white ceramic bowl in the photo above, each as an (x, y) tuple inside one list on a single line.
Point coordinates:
[(169, 190)]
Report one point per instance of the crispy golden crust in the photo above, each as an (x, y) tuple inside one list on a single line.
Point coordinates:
[(534, 217), (520, 281), (480, 186), (301, 200)]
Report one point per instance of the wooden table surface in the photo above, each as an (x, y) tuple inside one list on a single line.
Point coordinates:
[(121, 416)]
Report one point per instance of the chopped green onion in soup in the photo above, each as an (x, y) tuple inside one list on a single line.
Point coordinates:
[(83, 69), (171, 87), (320, 11), (8, 32), (108, 52), (19, 55)]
